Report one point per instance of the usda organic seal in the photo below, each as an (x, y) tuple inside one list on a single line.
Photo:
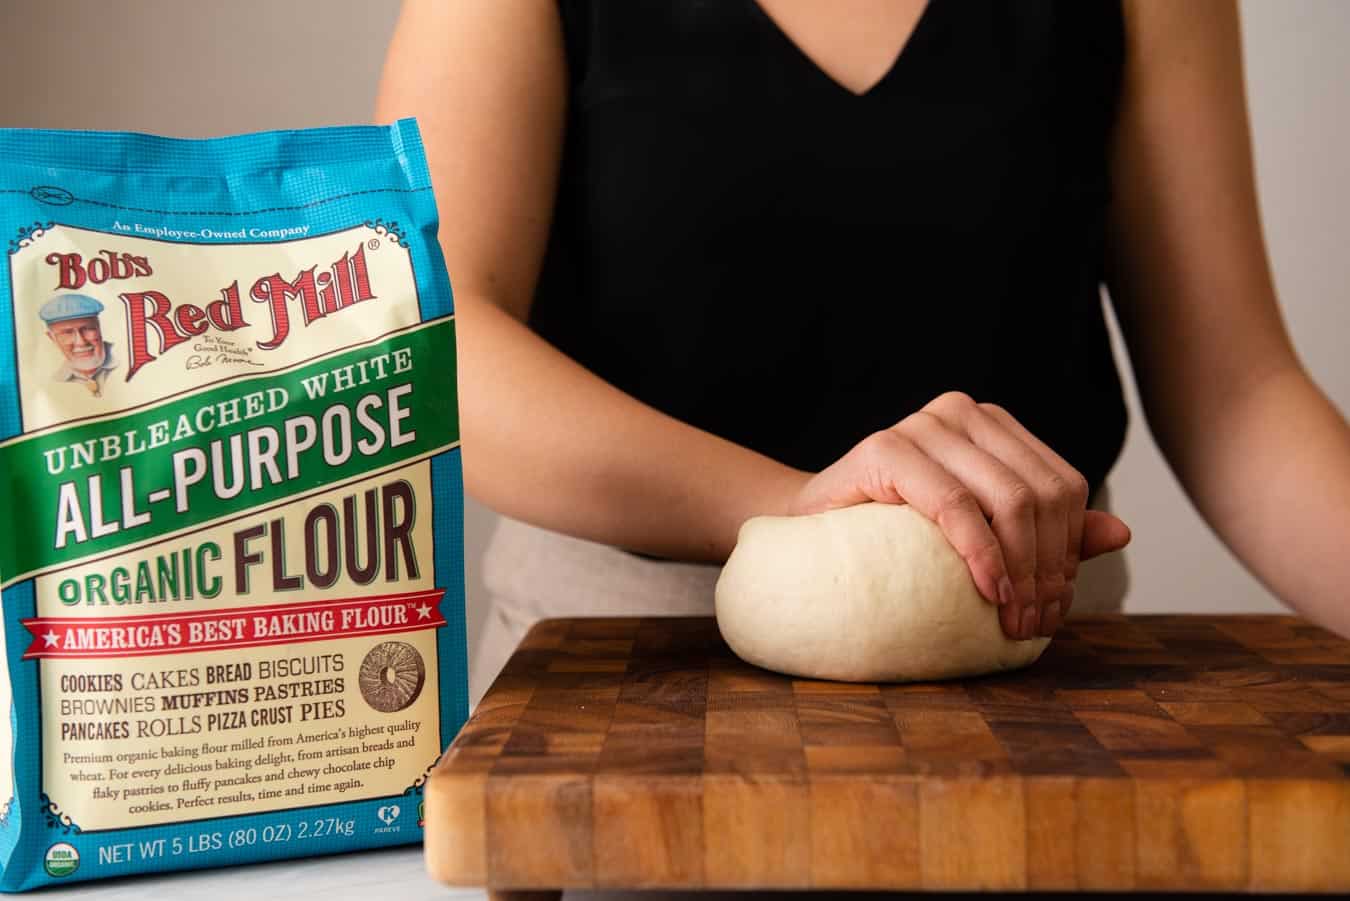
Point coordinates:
[(62, 859)]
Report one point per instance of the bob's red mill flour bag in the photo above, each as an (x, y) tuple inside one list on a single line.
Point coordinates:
[(231, 519)]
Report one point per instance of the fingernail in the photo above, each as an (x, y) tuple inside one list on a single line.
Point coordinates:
[(1006, 595), (1029, 617)]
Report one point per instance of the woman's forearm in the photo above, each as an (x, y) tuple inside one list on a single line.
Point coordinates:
[(548, 442), (1271, 475)]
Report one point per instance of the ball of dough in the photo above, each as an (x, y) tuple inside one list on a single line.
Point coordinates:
[(868, 593)]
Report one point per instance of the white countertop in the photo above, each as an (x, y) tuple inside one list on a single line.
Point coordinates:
[(359, 876), (387, 873)]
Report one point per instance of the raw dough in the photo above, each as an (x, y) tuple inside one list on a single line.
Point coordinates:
[(869, 593)]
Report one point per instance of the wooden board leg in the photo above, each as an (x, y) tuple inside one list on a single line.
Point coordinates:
[(495, 895)]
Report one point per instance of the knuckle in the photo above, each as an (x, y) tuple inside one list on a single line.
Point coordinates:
[(955, 501), (920, 419), (878, 458), (1022, 567), (1021, 572), (1017, 500), (957, 397), (952, 506), (986, 553), (993, 409), (952, 400), (1079, 489), (882, 445), (1057, 491)]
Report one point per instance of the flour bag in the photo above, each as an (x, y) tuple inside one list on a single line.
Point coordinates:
[(231, 506)]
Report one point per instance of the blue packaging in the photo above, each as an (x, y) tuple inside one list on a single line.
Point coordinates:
[(231, 503)]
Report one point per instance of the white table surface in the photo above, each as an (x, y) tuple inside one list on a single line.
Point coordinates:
[(387, 873), (395, 873)]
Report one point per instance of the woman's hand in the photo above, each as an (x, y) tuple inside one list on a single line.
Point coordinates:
[(1012, 507)]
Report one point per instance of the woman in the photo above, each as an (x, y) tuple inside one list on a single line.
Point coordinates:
[(718, 259)]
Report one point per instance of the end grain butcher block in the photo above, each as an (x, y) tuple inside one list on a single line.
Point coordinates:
[(1144, 752)]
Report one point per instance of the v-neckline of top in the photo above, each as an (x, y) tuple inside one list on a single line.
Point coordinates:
[(922, 25)]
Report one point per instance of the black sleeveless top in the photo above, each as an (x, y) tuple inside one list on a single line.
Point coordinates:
[(744, 244)]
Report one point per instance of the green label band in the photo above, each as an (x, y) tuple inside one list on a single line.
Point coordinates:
[(97, 487)]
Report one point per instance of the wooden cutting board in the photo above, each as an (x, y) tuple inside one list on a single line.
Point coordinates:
[(1142, 752)]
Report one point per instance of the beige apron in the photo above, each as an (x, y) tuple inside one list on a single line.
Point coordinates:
[(533, 574)]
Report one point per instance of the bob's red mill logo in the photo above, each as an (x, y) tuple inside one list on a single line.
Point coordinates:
[(345, 283)]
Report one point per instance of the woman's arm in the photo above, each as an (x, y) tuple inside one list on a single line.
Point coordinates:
[(1259, 449), (545, 440)]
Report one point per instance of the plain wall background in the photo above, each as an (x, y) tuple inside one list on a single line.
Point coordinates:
[(201, 69)]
